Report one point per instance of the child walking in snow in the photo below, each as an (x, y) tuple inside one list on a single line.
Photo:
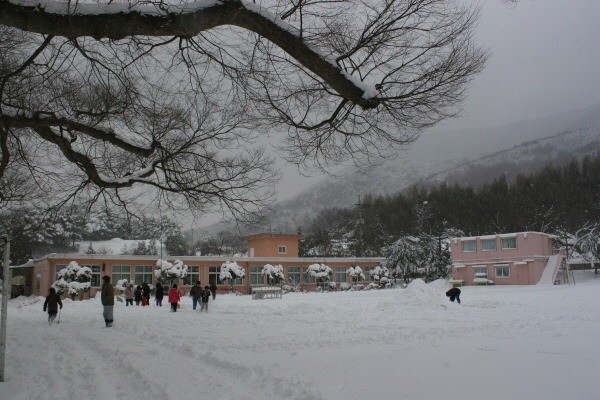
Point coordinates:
[(174, 297), (51, 304), (205, 294)]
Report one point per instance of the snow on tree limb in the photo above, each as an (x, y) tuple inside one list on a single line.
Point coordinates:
[(166, 97), (117, 22)]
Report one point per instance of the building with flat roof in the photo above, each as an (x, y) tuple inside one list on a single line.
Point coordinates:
[(524, 258), (268, 248)]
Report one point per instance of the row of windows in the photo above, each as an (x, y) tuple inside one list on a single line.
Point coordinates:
[(501, 271), (489, 244), (144, 273)]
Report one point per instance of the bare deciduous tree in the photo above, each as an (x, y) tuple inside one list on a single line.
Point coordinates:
[(115, 101)]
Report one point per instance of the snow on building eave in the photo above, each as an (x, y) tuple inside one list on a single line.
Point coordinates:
[(504, 235)]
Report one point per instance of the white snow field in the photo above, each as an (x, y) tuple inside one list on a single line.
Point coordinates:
[(503, 342)]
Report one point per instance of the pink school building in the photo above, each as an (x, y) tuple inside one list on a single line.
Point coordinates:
[(274, 249), (525, 258)]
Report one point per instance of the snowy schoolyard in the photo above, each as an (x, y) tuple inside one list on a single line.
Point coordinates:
[(526, 342)]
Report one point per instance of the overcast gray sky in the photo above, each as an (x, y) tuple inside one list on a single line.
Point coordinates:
[(545, 58)]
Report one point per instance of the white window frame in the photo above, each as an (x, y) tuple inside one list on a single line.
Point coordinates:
[(469, 242), (509, 248), (193, 274), (282, 249), (213, 274), (486, 241), (144, 272), (294, 274), (479, 269), (117, 276), (339, 274), (256, 276), (502, 267)]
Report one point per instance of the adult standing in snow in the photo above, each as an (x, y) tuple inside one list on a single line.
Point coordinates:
[(51, 304), (454, 293), (213, 289), (128, 294), (195, 294), (108, 300), (174, 297), (159, 294)]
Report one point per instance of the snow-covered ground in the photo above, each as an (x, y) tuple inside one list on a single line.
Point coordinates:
[(527, 342)]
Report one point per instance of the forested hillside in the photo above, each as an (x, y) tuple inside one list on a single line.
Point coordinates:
[(553, 198)]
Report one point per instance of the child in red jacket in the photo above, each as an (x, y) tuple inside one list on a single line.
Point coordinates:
[(174, 297)]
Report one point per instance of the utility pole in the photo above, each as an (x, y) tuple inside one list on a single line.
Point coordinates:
[(360, 228), (5, 295)]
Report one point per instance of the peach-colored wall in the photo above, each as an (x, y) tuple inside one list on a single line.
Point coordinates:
[(528, 244), (267, 245), (526, 262), (47, 267)]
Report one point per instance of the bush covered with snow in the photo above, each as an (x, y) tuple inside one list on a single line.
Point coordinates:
[(73, 279), (167, 272), (230, 270), (274, 273)]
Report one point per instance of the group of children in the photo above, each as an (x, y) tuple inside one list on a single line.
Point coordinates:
[(200, 296), (141, 294)]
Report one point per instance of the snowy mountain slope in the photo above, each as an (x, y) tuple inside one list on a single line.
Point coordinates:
[(468, 157)]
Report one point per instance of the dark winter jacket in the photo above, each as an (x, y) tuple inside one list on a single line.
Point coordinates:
[(52, 302), (137, 293), (196, 291), (453, 292), (146, 290), (159, 291), (205, 295), (108, 295)]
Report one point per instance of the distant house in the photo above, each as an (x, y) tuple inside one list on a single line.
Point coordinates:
[(524, 258)]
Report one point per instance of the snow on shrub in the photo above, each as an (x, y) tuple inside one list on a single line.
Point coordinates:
[(274, 273), (381, 274), (356, 274), (170, 272), (73, 279), (231, 270)]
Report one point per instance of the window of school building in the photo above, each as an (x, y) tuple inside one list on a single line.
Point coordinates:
[(143, 273), (120, 272), (256, 276)]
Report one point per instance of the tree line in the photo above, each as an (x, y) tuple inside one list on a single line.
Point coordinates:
[(553, 199)]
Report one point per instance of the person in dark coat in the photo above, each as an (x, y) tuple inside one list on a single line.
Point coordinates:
[(145, 294), (137, 295), (213, 289), (108, 300), (454, 293), (159, 294), (195, 294), (205, 298), (51, 304)]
